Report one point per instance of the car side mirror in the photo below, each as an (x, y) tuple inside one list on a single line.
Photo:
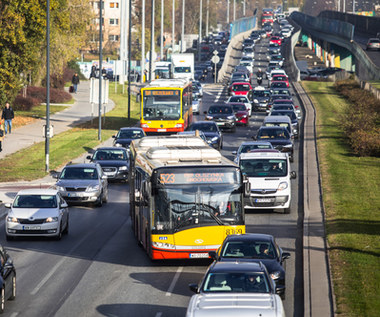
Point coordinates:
[(193, 288), (293, 175), (285, 255), (280, 290), (205, 112), (88, 157), (54, 174), (247, 186), (254, 137), (64, 205), (212, 255), (114, 136), (8, 205), (234, 152)]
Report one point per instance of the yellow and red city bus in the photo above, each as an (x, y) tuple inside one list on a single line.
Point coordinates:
[(185, 197), (166, 106)]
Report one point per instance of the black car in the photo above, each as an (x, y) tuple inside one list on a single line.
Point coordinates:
[(254, 248), (8, 278), (114, 162), (237, 277), (293, 117), (125, 136), (211, 131), (279, 137), (259, 99), (223, 115), (278, 84)]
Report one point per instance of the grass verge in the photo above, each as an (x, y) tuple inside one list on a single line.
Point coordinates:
[(375, 84), (352, 203), (28, 164)]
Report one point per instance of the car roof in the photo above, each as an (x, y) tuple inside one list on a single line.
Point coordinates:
[(38, 191), (250, 236), (263, 154), (255, 142), (84, 165), (271, 128), (110, 148), (204, 122), (277, 119), (131, 128), (236, 266)]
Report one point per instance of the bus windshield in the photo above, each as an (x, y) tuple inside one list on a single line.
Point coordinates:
[(182, 207), (162, 105)]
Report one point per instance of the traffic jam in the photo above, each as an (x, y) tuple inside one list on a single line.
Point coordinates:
[(204, 162)]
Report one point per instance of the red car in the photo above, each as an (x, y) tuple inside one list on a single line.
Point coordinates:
[(242, 88), (241, 113), (275, 39), (282, 78)]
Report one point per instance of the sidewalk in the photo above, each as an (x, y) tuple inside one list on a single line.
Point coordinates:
[(29, 134)]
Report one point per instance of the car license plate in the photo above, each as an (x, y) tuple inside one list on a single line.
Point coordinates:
[(74, 194), (199, 255), (220, 123), (161, 130), (31, 227), (263, 200), (109, 173)]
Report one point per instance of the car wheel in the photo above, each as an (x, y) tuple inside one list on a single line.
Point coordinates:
[(59, 235), (8, 237), (221, 145), (66, 231), (13, 295), (2, 304), (287, 210), (99, 202)]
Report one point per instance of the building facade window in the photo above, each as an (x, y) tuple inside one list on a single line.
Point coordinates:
[(113, 38), (114, 21)]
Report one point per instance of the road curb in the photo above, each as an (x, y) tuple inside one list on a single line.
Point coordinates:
[(318, 294)]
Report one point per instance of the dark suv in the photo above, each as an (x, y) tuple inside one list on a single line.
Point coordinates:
[(223, 116)]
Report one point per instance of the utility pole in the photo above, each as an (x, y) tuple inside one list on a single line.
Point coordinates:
[(47, 127), (207, 16), (243, 8), (228, 11), (151, 43), (173, 26), (200, 31), (143, 43), (100, 68), (183, 25), (129, 57), (234, 14), (162, 30)]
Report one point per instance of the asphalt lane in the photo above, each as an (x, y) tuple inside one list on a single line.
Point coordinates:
[(98, 269)]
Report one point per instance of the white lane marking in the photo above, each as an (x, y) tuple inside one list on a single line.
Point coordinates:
[(159, 314), (60, 262), (218, 96), (175, 279), (14, 314)]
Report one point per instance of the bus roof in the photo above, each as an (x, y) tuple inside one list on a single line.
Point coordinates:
[(169, 140), (178, 82)]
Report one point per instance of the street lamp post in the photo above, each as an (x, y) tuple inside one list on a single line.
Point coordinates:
[(207, 16), (129, 56), (183, 25), (228, 11), (47, 127), (151, 42), (100, 68), (143, 42), (234, 13), (162, 30), (173, 26), (200, 31)]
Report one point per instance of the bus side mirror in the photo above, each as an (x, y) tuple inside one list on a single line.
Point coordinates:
[(212, 255), (247, 186)]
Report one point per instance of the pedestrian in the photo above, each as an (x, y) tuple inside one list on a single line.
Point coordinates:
[(8, 116), (1, 137), (75, 82), (93, 71)]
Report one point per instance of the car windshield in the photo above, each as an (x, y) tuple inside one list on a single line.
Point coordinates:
[(114, 155), (264, 167), (220, 109), (248, 50), (35, 201), (281, 134), (279, 78), (290, 114), (261, 93), (241, 87), (238, 99), (248, 249), (246, 148), (205, 127), (281, 92), (239, 282), (79, 173), (130, 134), (278, 84), (239, 108)]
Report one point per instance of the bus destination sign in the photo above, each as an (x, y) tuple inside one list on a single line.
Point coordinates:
[(161, 92), (197, 178)]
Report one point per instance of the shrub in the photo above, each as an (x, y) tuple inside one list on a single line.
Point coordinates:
[(22, 103), (360, 121)]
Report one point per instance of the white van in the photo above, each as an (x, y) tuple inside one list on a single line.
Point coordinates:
[(269, 174), (280, 121)]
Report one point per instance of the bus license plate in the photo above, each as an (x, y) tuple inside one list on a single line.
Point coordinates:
[(199, 255), (161, 130)]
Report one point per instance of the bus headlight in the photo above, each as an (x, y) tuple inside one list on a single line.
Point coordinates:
[(144, 125), (162, 245), (178, 125)]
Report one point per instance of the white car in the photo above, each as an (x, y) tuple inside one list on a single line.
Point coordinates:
[(196, 105), (249, 146), (37, 212), (276, 72), (242, 99)]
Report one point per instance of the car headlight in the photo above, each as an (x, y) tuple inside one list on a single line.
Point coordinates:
[(209, 117), (230, 117), (123, 168), (215, 138), (275, 275), (60, 188), (93, 188), (245, 116), (51, 219), (282, 186), (255, 101), (12, 219)]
